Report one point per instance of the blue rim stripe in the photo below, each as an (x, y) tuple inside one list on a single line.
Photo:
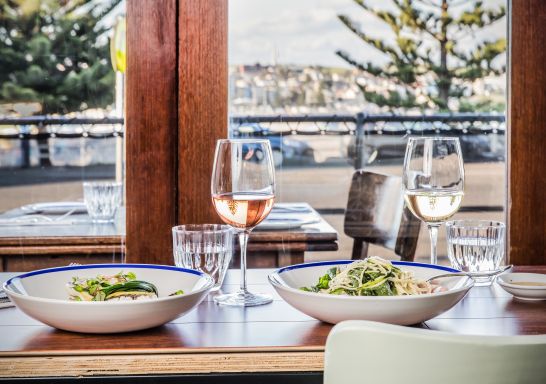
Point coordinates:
[(96, 266), (423, 265), (337, 262)]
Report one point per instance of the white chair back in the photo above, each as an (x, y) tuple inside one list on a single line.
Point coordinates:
[(368, 352)]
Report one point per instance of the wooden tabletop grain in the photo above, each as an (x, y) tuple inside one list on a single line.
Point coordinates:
[(270, 338)]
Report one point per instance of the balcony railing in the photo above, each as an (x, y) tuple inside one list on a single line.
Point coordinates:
[(48, 127), (42, 128), (462, 123), (362, 125)]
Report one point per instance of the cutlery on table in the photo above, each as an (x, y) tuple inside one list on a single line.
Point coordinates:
[(35, 219), (471, 274), (5, 302), (290, 209)]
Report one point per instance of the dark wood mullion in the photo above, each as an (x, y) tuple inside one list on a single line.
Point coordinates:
[(527, 133), (202, 103), (151, 125)]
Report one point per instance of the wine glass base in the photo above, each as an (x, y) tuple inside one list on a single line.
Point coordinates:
[(243, 299)]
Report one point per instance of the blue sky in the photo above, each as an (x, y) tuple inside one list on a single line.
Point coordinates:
[(308, 31)]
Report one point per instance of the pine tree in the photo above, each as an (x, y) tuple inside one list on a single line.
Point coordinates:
[(428, 65), (55, 52)]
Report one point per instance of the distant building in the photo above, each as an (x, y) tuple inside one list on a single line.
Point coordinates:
[(262, 89)]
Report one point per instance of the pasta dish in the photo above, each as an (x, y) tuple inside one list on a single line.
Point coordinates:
[(372, 276)]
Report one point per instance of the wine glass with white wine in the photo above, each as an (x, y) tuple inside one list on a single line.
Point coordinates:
[(243, 191), (433, 182)]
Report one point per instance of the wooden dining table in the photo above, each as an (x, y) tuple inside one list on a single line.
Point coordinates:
[(228, 344), (25, 248)]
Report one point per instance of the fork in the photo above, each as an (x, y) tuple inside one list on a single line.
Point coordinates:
[(5, 302), (290, 208), (36, 218), (470, 274)]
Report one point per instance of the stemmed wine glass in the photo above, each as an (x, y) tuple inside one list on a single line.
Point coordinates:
[(243, 191), (433, 182)]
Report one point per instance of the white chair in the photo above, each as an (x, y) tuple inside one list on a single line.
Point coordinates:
[(360, 352)]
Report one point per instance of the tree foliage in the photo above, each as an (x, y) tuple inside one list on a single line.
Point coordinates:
[(55, 52), (428, 62)]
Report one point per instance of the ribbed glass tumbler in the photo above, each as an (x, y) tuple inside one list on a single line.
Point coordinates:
[(204, 247)]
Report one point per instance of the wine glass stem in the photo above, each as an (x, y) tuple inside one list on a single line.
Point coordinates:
[(433, 232), (243, 240)]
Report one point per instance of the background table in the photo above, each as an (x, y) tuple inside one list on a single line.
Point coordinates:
[(24, 248), (254, 344)]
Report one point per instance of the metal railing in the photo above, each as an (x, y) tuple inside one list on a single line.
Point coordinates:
[(362, 125), (461, 123), (47, 127), (359, 125), (363, 118), (42, 128)]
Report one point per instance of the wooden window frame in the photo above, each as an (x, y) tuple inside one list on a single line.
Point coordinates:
[(526, 144), (177, 109)]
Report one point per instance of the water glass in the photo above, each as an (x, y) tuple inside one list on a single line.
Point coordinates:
[(204, 247), (476, 246), (102, 199)]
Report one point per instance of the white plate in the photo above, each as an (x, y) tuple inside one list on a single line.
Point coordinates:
[(42, 295), (57, 207), (402, 310), (507, 280)]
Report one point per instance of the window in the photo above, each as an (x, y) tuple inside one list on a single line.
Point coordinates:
[(345, 91), (61, 124), (524, 144)]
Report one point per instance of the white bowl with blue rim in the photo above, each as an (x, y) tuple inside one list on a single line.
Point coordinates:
[(43, 296), (402, 310)]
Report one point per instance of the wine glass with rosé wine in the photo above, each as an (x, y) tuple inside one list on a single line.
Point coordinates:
[(243, 191)]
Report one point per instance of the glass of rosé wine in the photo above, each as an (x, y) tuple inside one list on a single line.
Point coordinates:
[(243, 191)]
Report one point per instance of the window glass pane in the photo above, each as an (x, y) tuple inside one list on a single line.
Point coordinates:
[(61, 124), (347, 84)]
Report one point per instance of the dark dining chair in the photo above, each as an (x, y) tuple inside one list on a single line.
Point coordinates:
[(376, 214)]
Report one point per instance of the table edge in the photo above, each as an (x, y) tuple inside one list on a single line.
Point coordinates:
[(252, 361), (164, 351)]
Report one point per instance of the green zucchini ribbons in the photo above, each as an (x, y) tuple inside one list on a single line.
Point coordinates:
[(118, 287)]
